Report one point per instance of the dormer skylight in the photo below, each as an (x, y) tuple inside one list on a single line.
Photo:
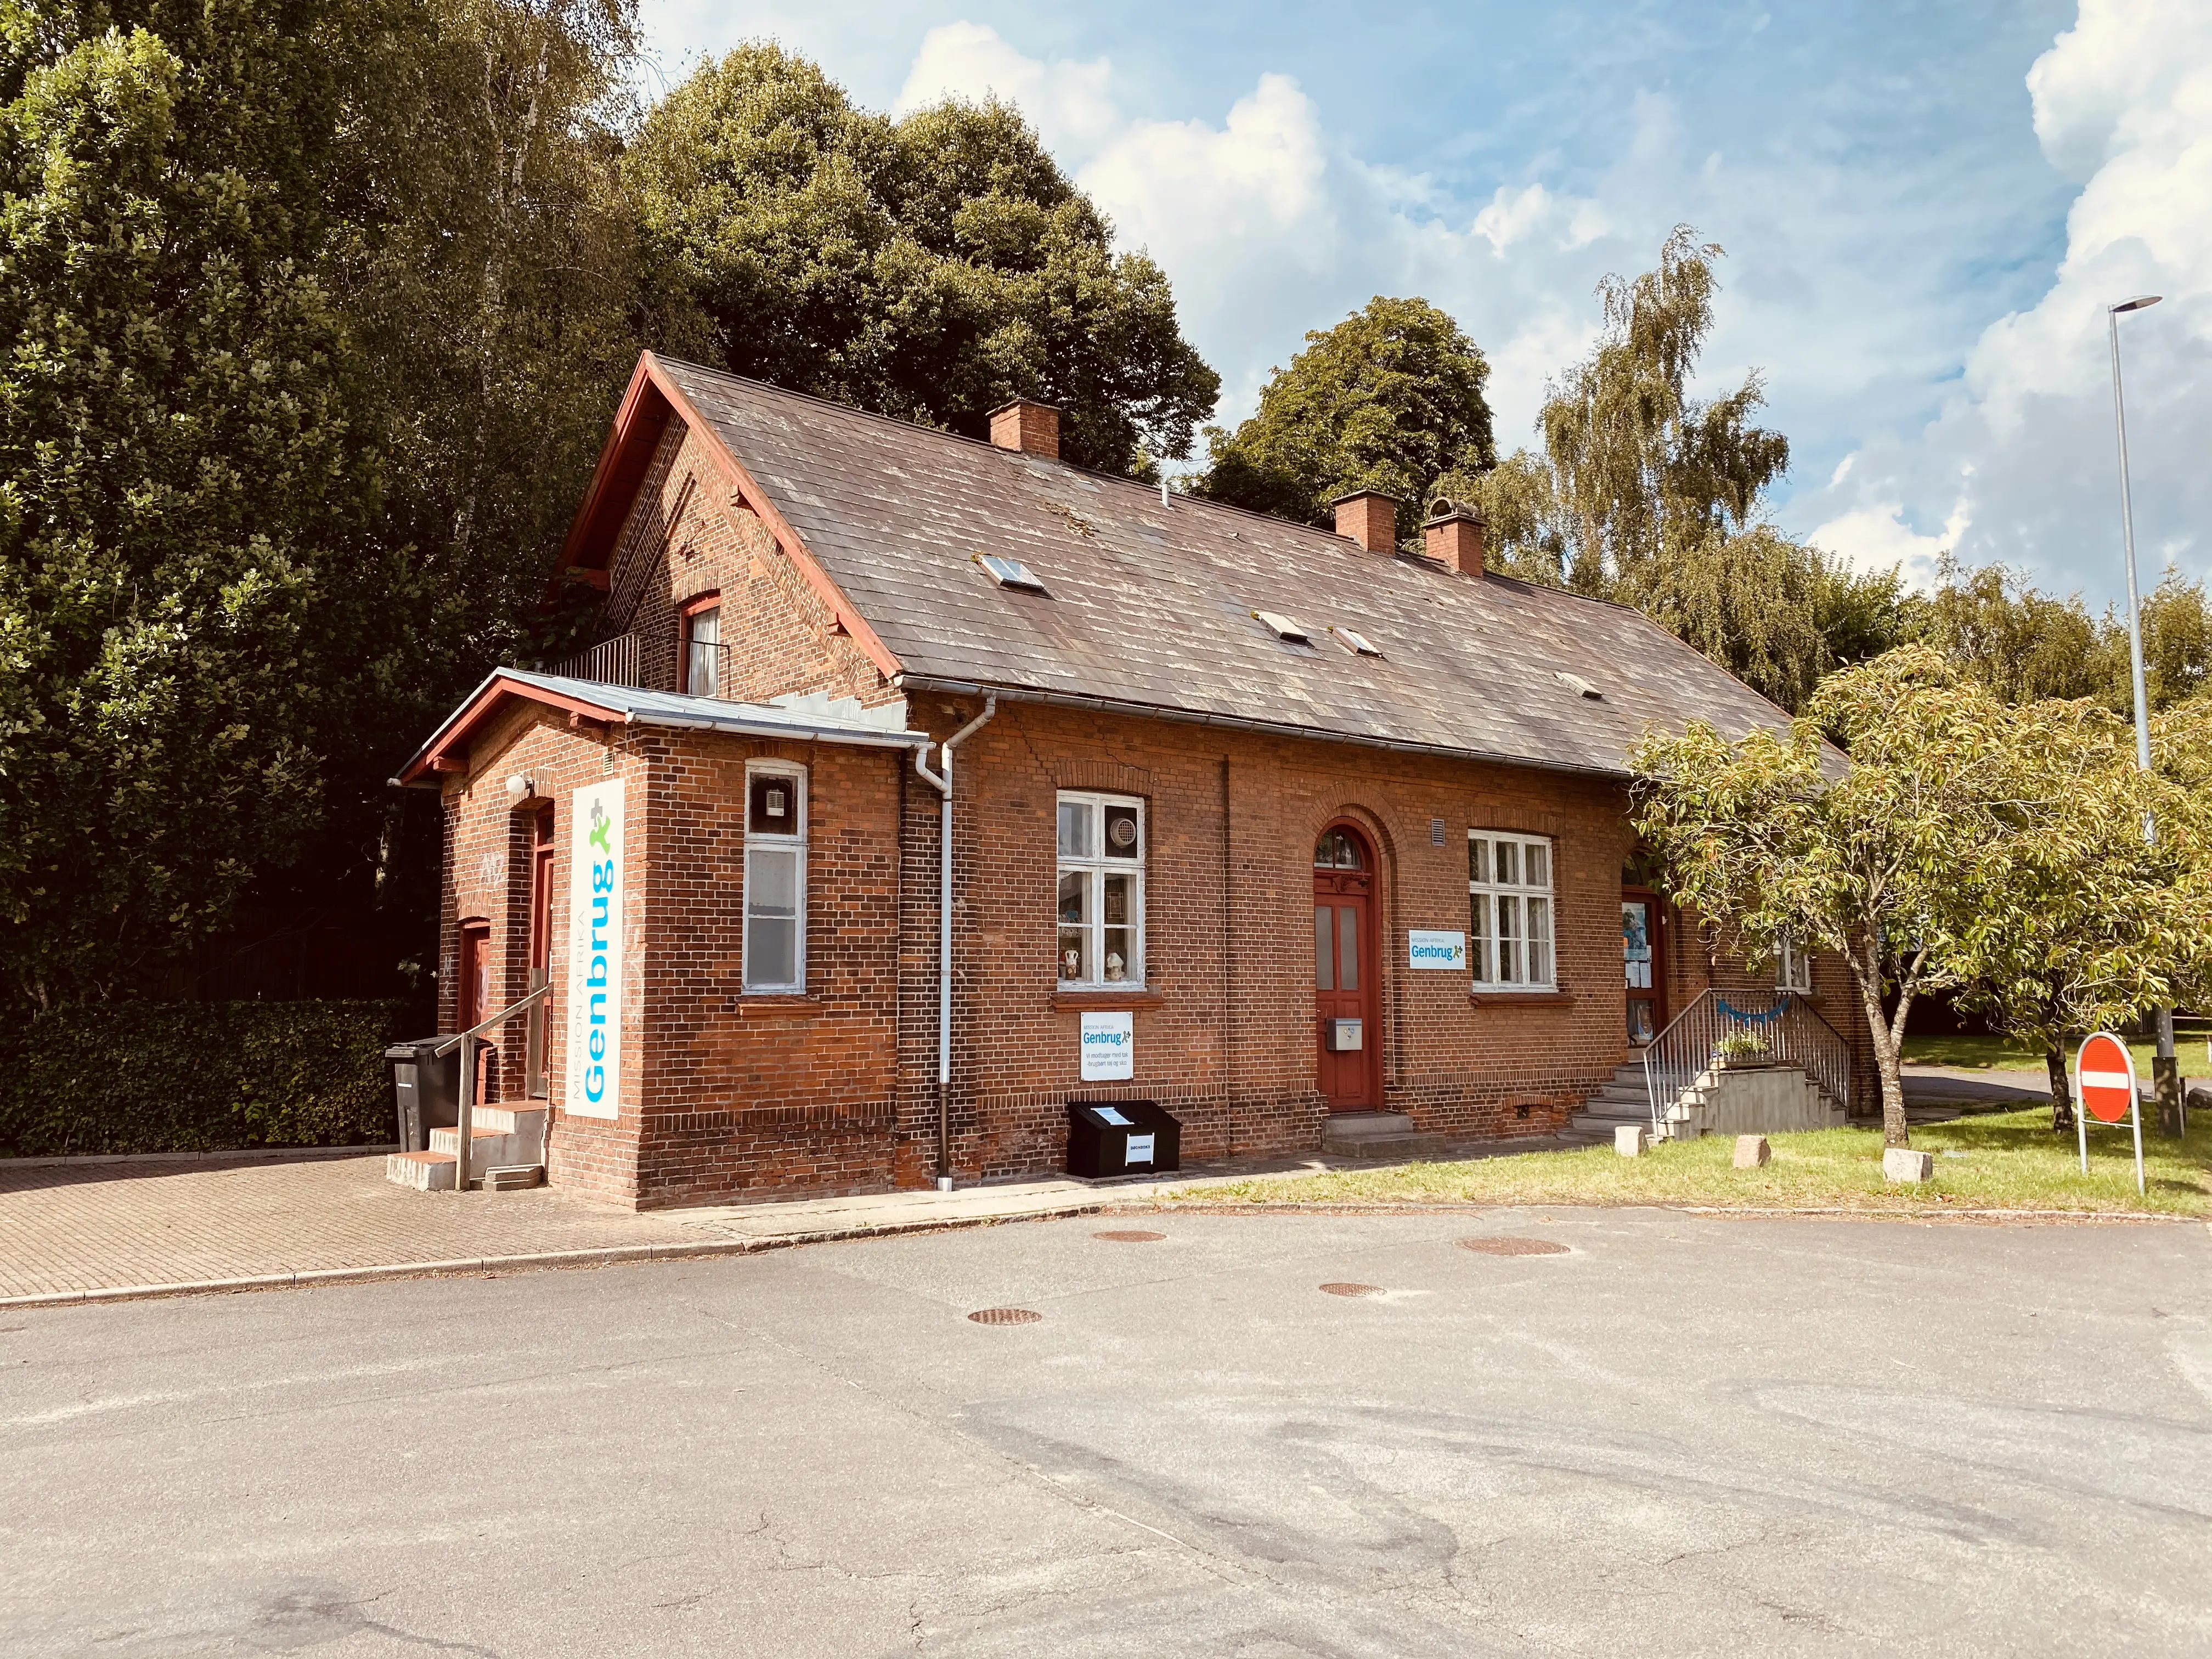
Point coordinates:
[(1358, 644), (1283, 628), (1011, 573), (1576, 682)]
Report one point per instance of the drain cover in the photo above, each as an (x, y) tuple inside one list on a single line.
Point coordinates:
[(1132, 1235), (1353, 1290), (1510, 1245), (1004, 1317)]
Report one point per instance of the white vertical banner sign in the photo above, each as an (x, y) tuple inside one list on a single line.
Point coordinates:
[(595, 953)]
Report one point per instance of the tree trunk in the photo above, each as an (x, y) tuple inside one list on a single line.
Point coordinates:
[(2062, 1093), (1889, 1040)]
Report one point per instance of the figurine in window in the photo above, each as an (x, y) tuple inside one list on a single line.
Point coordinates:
[(1115, 969), (1071, 964)]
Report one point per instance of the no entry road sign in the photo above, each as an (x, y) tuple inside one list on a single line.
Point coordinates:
[(2105, 1079), (2108, 1078)]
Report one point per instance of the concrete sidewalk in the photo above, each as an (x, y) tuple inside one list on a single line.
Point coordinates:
[(110, 1230)]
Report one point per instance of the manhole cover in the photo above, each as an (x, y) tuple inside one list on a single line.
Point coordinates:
[(1352, 1289), (1004, 1317), (1130, 1236), (1512, 1246)]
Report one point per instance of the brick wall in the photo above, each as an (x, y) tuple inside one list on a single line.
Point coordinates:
[(690, 535)]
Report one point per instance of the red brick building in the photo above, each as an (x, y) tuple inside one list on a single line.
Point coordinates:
[(1277, 827)]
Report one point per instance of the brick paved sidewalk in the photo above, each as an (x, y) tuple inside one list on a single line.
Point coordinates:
[(81, 1227), (100, 1229)]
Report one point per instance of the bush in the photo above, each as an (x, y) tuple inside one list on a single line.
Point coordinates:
[(175, 1077)]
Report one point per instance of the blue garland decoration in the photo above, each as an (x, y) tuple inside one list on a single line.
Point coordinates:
[(1767, 1018)]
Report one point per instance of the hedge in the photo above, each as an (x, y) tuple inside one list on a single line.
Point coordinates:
[(178, 1077)]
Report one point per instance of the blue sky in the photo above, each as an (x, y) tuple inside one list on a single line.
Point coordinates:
[(1924, 208)]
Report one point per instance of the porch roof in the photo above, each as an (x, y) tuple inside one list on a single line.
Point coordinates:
[(844, 722)]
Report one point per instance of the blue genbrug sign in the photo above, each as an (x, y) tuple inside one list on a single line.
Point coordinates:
[(595, 951)]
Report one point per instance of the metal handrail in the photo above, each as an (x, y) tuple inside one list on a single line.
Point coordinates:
[(617, 661), (466, 1111), (1689, 1048)]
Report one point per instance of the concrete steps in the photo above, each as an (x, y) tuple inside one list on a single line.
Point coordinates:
[(1621, 1098), (1371, 1134), (507, 1153)]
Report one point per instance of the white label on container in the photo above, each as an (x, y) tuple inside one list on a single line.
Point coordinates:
[(1140, 1150)]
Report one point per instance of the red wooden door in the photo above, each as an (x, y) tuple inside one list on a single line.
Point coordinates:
[(1346, 1001), (538, 1041)]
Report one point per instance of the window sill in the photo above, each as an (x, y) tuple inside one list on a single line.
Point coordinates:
[(777, 1002), (1521, 999), (1135, 997)]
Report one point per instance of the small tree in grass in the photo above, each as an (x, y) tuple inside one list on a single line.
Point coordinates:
[(1877, 858), (2089, 923), (1964, 842)]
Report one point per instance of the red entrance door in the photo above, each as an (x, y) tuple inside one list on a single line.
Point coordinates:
[(538, 1042), (1643, 962), (1345, 1002)]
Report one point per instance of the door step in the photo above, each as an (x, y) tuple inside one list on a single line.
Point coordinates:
[(433, 1172), (1371, 1134)]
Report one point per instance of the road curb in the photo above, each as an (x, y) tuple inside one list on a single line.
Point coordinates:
[(600, 1256)]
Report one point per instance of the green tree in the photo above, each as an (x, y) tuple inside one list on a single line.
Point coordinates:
[(1889, 858), (188, 574), (1391, 399), (930, 268), (2021, 643), (2088, 924), (1649, 496)]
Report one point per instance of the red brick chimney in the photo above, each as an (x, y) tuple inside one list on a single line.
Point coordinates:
[(1369, 518), (1032, 428), (1453, 535)]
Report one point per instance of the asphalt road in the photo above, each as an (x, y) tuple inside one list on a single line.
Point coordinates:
[(1682, 1436)]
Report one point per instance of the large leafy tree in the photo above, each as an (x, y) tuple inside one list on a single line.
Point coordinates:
[(188, 572), (930, 268), (1648, 495), (1391, 399), (1889, 858), (306, 303)]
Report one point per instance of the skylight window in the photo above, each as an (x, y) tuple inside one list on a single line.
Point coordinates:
[(1576, 682), (1358, 644), (1010, 573), (1283, 628)]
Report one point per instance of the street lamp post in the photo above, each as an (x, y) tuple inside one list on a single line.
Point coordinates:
[(2166, 1069)]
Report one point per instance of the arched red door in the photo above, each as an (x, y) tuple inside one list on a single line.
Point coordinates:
[(1346, 1003)]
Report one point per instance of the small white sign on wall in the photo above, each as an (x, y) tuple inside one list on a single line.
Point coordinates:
[(595, 955), (1428, 949), (1109, 1047)]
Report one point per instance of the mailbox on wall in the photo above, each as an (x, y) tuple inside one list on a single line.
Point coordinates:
[(1121, 1137), (1345, 1036)]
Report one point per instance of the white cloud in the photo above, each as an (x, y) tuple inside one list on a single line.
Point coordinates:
[(2123, 101), (1070, 104), (1872, 538)]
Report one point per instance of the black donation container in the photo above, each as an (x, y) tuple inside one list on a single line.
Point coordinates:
[(426, 1090), (1121, 1137)]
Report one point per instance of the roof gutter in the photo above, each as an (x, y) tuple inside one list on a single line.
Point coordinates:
[(1239, 723)]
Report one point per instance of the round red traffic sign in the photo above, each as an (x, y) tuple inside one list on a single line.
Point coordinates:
[(2107, 1075)]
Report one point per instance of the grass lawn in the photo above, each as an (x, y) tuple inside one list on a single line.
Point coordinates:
[(2012, 1161), (1992, 1053)]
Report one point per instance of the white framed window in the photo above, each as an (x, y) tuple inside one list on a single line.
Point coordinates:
[(1793, 967), (1509, 887), (775, 877), (1100, 890)]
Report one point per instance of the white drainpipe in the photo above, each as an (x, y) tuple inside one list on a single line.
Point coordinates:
[(944, 786)]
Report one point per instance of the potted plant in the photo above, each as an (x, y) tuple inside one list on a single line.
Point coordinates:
[(1740, 1050)]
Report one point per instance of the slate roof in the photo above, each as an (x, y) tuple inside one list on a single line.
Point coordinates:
[(1153, 605)]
